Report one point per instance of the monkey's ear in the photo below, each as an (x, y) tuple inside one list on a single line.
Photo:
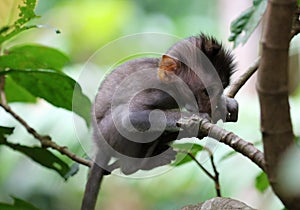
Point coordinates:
[(167, 68)]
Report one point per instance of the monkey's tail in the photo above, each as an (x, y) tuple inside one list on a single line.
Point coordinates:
[(92, 187)]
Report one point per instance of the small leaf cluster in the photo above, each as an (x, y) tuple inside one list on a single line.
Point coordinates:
[(243, 26)]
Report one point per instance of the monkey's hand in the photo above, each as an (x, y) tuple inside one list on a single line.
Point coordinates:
[(190, 125), (232, 110)]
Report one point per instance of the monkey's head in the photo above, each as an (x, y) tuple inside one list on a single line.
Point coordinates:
[(205, 66)]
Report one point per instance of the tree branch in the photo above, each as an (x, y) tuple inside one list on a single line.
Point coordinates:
[(238, 83), (226, 137)]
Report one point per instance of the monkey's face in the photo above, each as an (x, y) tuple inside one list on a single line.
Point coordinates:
[(209, 97)]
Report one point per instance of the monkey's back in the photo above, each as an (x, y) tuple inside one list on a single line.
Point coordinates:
[(108, 141), (113, 80)]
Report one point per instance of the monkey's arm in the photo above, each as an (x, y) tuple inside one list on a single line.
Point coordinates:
[(156, 120), (146, 119)]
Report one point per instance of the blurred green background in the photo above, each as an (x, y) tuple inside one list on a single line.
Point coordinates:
[(85, 27)]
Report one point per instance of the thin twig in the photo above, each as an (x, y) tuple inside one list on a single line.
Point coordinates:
[(46, 141), (215, 177), (216, 180), (237, 84), (201, 166), (26, 126)]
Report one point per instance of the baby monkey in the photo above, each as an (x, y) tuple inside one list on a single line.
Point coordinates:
[(138, 105)]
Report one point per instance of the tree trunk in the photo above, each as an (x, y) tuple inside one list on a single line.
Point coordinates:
[(272, 88)]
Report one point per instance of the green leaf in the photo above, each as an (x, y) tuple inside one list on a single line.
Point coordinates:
[(18, 205), (26, 12), (182, 157), (43, 157), (262, 182), (55, 87), (16, 93), (5, 131), (242, 27), (33, 57), (25, 15)]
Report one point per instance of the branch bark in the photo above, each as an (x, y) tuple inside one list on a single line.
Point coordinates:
[(235, 142), (272, 89), (46, 141), (241, 81)]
